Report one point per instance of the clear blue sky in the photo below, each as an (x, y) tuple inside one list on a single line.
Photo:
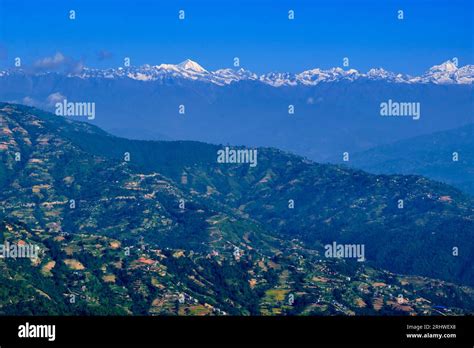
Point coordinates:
[(257, 31)]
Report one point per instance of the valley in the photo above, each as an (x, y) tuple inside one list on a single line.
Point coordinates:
[(135, 238)]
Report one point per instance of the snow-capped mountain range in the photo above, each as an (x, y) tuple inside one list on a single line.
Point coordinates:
[(445, 73)]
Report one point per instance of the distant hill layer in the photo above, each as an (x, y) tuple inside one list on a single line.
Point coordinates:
[(446, 156), (318, 121)]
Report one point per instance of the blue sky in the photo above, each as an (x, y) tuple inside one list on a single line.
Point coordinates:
[(258, 32)]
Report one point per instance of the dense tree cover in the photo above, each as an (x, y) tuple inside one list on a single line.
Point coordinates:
[(225, 204)]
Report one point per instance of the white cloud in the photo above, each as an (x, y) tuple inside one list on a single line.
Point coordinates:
[(28, 101), (58, 62), (50, 62), (54, 98)]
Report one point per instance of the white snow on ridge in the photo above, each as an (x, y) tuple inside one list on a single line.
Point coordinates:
[(188, 64), (465, 75), (445, 73)]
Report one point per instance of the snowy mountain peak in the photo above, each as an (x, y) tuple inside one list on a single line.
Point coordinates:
[(188, 64), (448, 66), (444, 73), (447, 73)]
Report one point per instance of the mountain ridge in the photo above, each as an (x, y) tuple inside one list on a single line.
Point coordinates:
[(444, 73), (428, 155)]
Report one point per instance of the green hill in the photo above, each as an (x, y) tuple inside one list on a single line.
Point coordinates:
[(138, 203)]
